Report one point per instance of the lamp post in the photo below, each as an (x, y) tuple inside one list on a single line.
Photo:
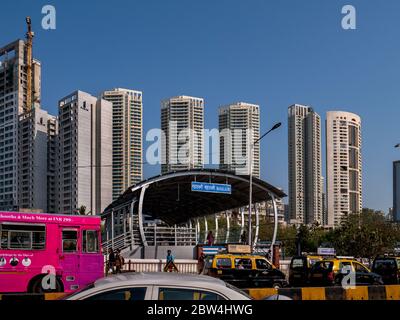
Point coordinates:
[(252, 145)]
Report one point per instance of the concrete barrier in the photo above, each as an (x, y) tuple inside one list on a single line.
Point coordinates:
[(30, 296), (387, 292)]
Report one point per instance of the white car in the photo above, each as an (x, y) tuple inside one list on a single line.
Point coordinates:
[(158, 286)]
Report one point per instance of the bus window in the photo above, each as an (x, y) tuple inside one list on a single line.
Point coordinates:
[(70, 240), (4, 240), (20, 240), (90, 241), (23, 237)]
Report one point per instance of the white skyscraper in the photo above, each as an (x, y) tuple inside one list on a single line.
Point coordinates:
[(37, 160), (126, 138), (85, 153), (182, 121), (305, 168), (13, 102), (239, 126), (343, 165), (27, 134)]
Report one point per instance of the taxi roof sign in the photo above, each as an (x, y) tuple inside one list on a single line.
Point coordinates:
[(239, 248)]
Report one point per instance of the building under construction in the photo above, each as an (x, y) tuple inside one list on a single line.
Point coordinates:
[(26, 132)]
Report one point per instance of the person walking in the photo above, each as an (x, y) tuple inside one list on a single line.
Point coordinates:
[(111, 261), (243, 237), (210, 238), (201, 263), (170, 265), (119, 261)]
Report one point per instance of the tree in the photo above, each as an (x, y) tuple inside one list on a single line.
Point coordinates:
[(364, 235)]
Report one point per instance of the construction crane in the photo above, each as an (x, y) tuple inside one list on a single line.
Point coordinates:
[(29, 63)]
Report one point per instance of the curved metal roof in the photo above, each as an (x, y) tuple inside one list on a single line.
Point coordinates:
[(169, 197)]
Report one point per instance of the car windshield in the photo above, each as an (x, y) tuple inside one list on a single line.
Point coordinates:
[(238, 290), (385, 264), (313, 261), (322, 266)]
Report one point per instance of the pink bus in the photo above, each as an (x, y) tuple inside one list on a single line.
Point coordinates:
[(49, 252)]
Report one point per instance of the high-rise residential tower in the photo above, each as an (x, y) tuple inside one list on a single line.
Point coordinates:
[(182, 122), (305, 168), (343, 165), (85, 153), (127, 159), (37, 161), (16, 115), (239, 126)]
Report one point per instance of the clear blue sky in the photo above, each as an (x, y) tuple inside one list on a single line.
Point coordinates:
[(273, 53)]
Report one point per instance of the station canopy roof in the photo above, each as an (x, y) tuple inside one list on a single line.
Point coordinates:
[(170, 198)]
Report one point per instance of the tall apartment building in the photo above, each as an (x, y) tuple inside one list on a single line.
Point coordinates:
[(52, 164), (13, 103), (37, 161), (267, 208), (305, 168), (239, 127), (85, 153), (127, 145), (343, 165), (182, 122), (396, 191)]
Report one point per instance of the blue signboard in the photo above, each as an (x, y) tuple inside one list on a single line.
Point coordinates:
[(211, 187), (213, 250)]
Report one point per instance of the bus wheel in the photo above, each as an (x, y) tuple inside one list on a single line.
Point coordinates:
[(36, 286)]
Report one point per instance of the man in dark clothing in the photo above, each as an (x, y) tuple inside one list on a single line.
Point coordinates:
[(111, 260), (201, 263), (243, 237), (119, 261)]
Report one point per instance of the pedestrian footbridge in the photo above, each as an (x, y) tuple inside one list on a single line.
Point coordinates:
[(163, 211)]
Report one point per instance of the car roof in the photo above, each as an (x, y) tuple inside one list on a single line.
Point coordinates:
[(308, 256), (157, 278), (339, 259)]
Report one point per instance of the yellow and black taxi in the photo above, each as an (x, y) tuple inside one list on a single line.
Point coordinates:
[(299, 269), (330, 272), (245, 271)]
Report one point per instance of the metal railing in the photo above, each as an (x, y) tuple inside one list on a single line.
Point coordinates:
[(222, 236), (157, 265), (155, 235), (170, 236), (121, 242)]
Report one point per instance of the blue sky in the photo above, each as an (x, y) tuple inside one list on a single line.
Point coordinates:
[(273, 53)]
